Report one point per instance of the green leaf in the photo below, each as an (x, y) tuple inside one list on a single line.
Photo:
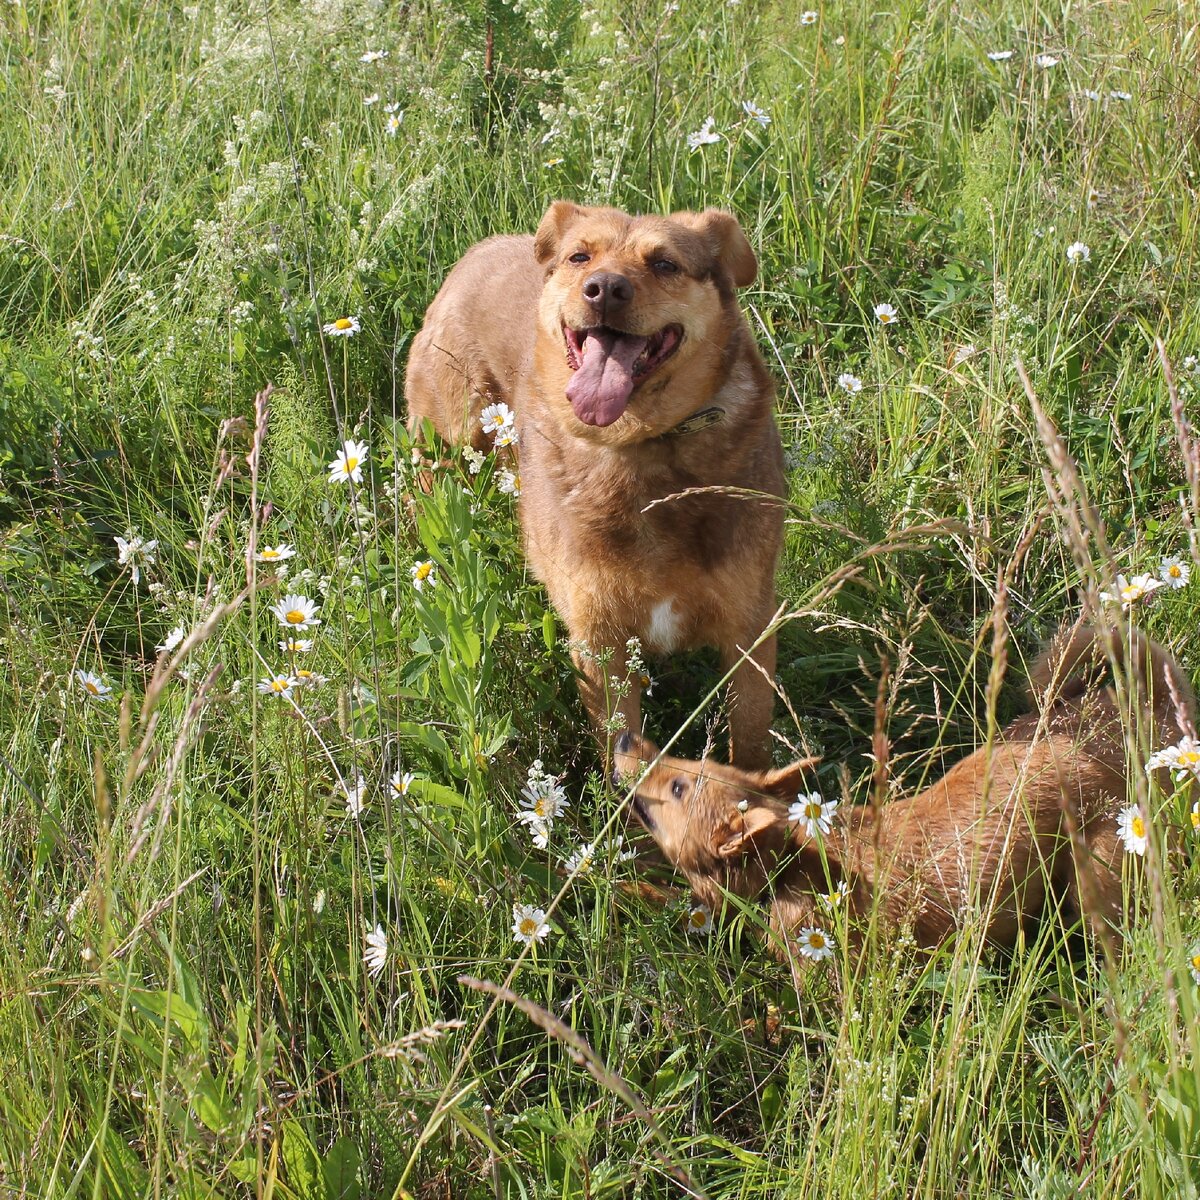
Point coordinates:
[(302, 1163), (341, 1170)]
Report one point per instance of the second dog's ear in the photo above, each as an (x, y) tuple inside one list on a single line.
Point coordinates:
[(726, 240), (739, 834), (560, 216), (786, 783)]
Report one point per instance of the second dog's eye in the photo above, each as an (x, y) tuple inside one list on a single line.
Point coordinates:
[(664, 266), (580, 256), (678, 787)]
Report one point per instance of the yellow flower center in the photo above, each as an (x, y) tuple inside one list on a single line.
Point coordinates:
[(303, 674), (1189, 757), (1138, 827), (1174, 570), (1196, 962), (1195, 819), (699, 918), (812, 810), (540, 808), (351, 463), (269, 553), (884, 318), (279, 685), (91, 687), (423, 571), (343, 323), (528, 926), (295, 617), (816, 940)]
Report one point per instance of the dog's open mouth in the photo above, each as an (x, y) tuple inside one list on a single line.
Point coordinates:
[(641, 811), (608, 364)]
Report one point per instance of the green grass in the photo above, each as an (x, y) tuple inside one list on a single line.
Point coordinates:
[(189, 193)]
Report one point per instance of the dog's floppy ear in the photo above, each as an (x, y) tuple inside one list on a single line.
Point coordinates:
[(786, 782), (560, 216), (726, 241), (739, 834)]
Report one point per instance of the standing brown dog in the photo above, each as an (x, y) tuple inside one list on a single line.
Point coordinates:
[(1003, 832), (619, 343)]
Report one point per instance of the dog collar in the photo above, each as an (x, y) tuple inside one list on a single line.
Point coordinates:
[(706, 418)]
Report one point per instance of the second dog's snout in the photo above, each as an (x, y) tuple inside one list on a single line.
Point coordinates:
[(606, 288), (624, 744)]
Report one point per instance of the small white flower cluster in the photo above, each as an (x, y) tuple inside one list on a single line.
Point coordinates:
[(1173, 574), (501, 422), (543, 800), (296, 613), (706, 135), (1183, 759), (133, 552)]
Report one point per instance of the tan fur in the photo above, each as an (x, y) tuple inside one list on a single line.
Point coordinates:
[(1000, 835), (690, 572)]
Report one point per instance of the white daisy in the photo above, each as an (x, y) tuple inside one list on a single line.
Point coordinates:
[(1175, 573), (1194, 815), (1131, 591), (1093, 197), (507, 436), (752, 110), (275, 553), (349, 462), (851, 384), (1091, 94), (1000, 55), (1183, 759), (543, 800), (276, 685), (356, 796), (509, 482), (839, 893), (1078, 252), (885, 314), (400, 782), (393, 107), (373, 98), (963, 353), (815, 943), (495, 417), (699, 920), (93, 685), (1046, 61), (529, 923), (808, 18), (172, 640), (704, 136), (297, 612), (813, 815), (581, 860), (310, 679), (376, 952), (1117, 95), (1194, 964), (342, 327), (1132, 830), (393, 123), (1191, 364), (296, 645), (424, 574), (133, 551), (372, 56)]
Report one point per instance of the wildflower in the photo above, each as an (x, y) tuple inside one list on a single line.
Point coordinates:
[(812, 814), (275, 553), (375, 955), (851, 384), (424, 574), (808, 18), (1195, 817), (699, 920), (1077, 252), (393, 107), (1131, 828), (509, 482), (505, 437), (1000, 55), (372, 56), (349, 463), (529, 923), (839, 893), (704, 136), (373, 98), (553, 162), (93, 685), (1130, 591), (815, 943), (342, 327), (885, 314), (298, 612), (172, 640), (356, 796), (1046, 61), (306, 678), (1092, 95), (1117, 95), (1191, 364), (393, 123), (962, 353), (276, 685), (1194, 964), (401, 781), (496, 417), (133, 548), (475, 459), (752, 110), (296, 645), (581, 860), (1175, 573), (1183, 758), (624, 855), (1093, 197), (543, 800)]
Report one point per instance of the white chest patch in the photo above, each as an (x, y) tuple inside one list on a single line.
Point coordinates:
[(662, 633)]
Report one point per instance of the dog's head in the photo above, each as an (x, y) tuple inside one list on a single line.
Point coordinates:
[(724, 828), (634, 305)]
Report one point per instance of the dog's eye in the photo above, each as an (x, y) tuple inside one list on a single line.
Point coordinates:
[(580, 256), (678, 787), (664, 266)]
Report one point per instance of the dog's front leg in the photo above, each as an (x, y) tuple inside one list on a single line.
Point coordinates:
[(751, 699), (610, 693)]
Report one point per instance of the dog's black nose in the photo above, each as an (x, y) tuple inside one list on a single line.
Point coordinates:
[(624, 744), (606, 289)]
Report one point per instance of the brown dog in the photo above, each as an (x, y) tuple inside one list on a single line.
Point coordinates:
[(999, 836), (619, 343)]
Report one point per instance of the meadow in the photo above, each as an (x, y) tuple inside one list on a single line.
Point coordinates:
[(258, 878)]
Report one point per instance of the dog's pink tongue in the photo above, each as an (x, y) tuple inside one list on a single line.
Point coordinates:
[(599, 391)]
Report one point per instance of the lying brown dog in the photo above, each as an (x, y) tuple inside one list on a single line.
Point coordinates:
[(998, 837), (619, 343)]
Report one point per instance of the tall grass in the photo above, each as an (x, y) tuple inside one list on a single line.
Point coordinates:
[(190, 193)]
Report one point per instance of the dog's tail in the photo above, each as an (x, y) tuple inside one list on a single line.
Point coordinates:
[(1081, 658)]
